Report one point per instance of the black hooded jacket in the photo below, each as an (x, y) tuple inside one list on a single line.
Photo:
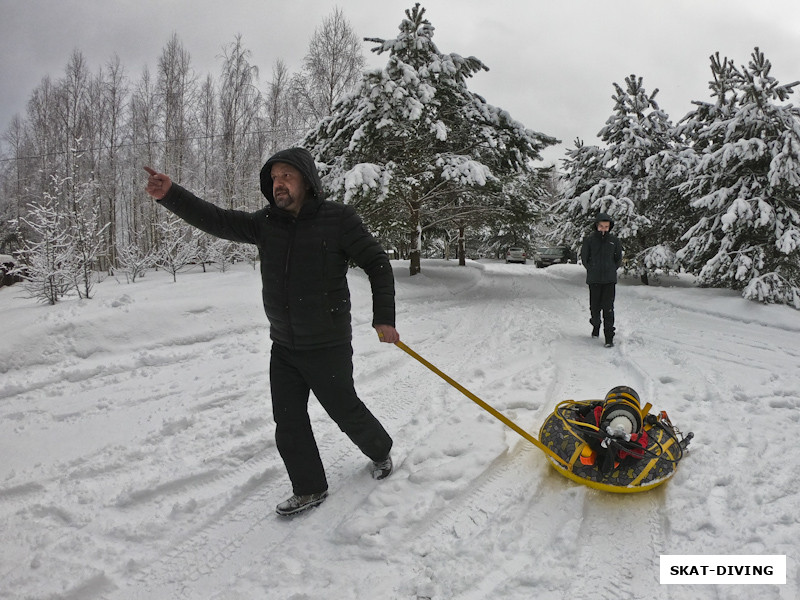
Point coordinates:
[(304, 259), (601, 254)]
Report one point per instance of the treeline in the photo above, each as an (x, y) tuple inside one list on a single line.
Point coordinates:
[(716, 194), (73, 162), (73, 204), (433, 168)]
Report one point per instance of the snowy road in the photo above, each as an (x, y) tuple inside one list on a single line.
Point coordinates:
[(139, 461)]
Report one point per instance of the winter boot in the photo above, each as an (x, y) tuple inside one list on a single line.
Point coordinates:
[(381, 469), (595, 322), (297, 504)]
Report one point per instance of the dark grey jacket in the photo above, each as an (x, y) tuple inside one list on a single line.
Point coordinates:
[(601, 254), (304, 259)]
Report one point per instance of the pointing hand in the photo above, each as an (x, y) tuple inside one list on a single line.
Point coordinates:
[(158, 184)]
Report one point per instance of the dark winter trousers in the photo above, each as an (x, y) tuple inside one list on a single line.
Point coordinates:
[(601, 302), (328, 373)]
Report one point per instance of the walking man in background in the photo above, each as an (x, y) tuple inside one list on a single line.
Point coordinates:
[(304, 244), (601, 255)]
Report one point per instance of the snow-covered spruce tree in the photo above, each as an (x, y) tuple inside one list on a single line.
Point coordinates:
[(583, 168), (493, 214), (615, 179), (525, 219), (412, 141), (744, 179)]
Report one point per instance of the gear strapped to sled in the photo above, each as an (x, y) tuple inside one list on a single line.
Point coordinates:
[(569, 436), (644, 449)]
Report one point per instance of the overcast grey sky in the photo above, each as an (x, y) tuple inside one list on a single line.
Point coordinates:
[(552, 63)]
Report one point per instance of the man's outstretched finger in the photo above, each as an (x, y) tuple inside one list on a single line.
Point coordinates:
[(158, 184)]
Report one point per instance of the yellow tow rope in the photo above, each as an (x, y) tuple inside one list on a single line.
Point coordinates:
[(483, 405)]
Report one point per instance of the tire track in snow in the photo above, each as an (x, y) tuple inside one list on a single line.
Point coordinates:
[(513, 495), (633, 525), (581, 362), (507, 308), (507, 486), (230, 540), (497, 481), (105, 367), (92, 472)]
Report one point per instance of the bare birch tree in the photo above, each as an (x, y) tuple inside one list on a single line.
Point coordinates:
[(112, 97), (176, 91), (140, 216), (240, 104), (332, 67), (77, 152), (284, 119), (207, 121)]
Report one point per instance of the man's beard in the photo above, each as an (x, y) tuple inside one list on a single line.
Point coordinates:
[(284, 200)]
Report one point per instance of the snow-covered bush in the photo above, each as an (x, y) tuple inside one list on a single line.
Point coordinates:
[(48, 254), (134, 261), (178, 247)]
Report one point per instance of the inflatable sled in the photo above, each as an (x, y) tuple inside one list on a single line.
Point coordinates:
[(612, 444)]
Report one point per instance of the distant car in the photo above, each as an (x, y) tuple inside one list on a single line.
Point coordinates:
[(551, 255), (516, 255), (7, 264)]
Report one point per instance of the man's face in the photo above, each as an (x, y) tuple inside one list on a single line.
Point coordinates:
[(603, 226), (288, 187)]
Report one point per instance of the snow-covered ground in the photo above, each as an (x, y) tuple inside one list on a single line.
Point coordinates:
[(138, 459)]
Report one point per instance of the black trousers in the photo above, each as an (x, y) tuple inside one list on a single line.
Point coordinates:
[(328, 373), (601, 304)]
